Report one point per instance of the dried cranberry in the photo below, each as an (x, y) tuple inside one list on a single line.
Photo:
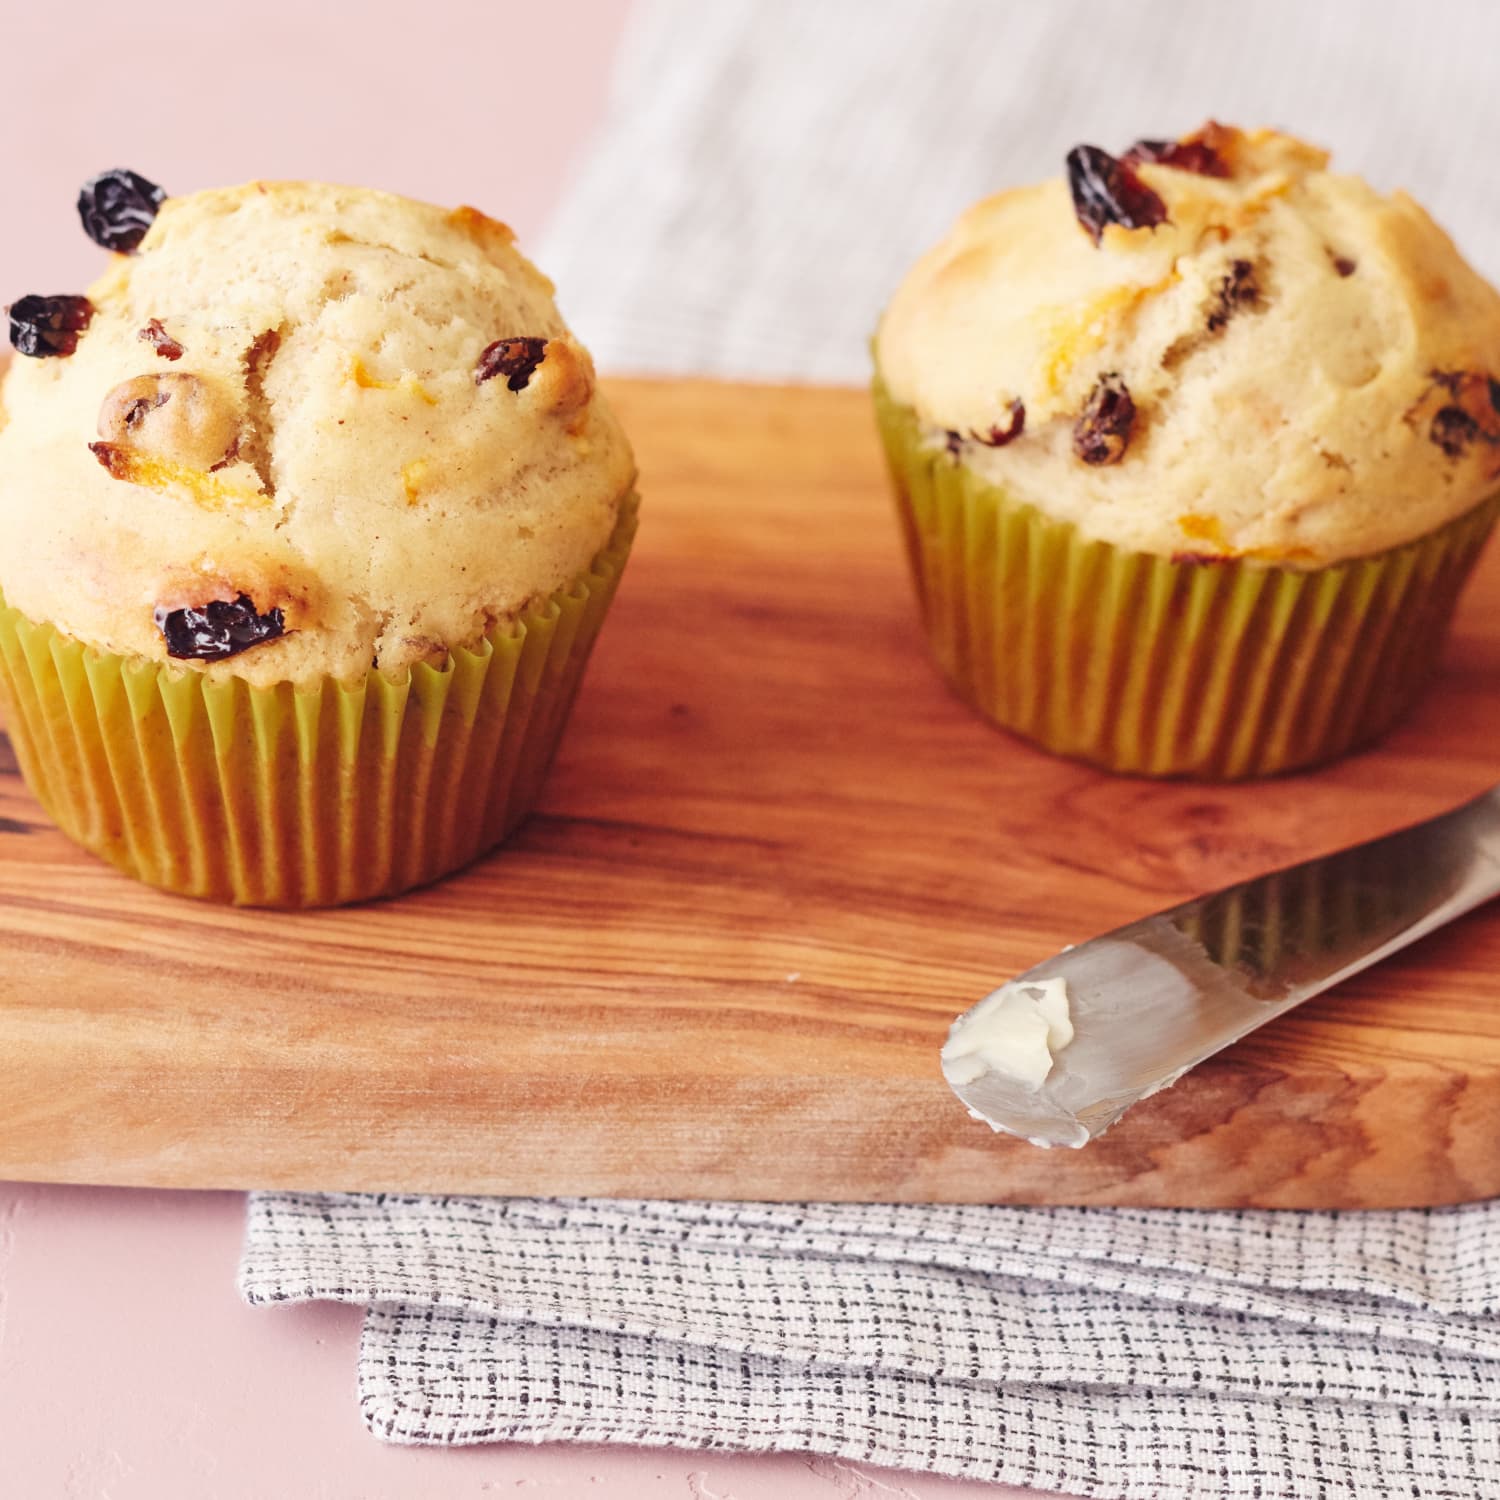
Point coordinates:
[(113, 457), (220, 628), (516, 359), (117, 208), (1237, 289), (160, 340), (1107, 191), (40, 326), (998, 436), (1453, 429), (1102, 432), (1186, 156)]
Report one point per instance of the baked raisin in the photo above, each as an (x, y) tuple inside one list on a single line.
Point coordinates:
[(998, 436), (1107, 191), (41, 326), (1469, 413), (1453, 429), (1237, 289), (516, 359), (220, 628), (1343, 265), (1186, 156), (160, 340), (1102, 432), (118, 207)]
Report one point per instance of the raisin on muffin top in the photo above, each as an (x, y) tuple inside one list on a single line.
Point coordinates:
[(1208, 348), (299, 430)]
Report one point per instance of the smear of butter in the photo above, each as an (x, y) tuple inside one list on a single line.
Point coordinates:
[(1017, 1031)]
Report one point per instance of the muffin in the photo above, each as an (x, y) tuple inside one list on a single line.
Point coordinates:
[(1193, 450), (310, 513)]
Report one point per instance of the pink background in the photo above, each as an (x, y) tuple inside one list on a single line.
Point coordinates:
[(129, 1369), (455, 101)]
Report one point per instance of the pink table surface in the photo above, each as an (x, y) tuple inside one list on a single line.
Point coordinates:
[(129, 1369)]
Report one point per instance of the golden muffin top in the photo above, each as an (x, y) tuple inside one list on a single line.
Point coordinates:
[(301, 429), (1211, 347)]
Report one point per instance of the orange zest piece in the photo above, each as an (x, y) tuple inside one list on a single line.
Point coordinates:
[(367, 382), (211, 491)]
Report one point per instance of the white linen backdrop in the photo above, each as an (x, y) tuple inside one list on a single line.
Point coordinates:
[(768, 169)]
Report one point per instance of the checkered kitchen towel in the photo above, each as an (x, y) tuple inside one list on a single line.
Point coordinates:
[(768, 170), (1096, 1352)]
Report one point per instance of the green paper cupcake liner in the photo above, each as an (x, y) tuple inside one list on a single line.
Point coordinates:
[(1140, 664), (301, 795)]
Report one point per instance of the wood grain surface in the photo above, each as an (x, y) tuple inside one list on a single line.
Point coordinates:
[(773, 861)]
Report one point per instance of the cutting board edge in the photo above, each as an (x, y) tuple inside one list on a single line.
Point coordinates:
[(680, 1187), (1302, 1095)]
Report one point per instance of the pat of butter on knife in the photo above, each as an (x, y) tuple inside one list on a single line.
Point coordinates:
[(1017, 1031)]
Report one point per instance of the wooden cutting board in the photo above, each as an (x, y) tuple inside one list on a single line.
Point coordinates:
[(774, 859)]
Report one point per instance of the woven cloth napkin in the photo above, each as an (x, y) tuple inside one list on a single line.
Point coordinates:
[(1097, 1352), (767, 170)]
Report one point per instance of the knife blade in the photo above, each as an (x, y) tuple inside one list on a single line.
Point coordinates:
[(1154, 998)]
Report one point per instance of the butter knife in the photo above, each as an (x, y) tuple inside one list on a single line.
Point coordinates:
[(1152, 999)]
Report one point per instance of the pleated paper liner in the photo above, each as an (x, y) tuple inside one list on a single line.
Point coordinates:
[(1140, 664), (305, 795)]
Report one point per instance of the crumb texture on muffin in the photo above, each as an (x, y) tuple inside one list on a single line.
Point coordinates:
[(1288, 367), (283, 396)]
